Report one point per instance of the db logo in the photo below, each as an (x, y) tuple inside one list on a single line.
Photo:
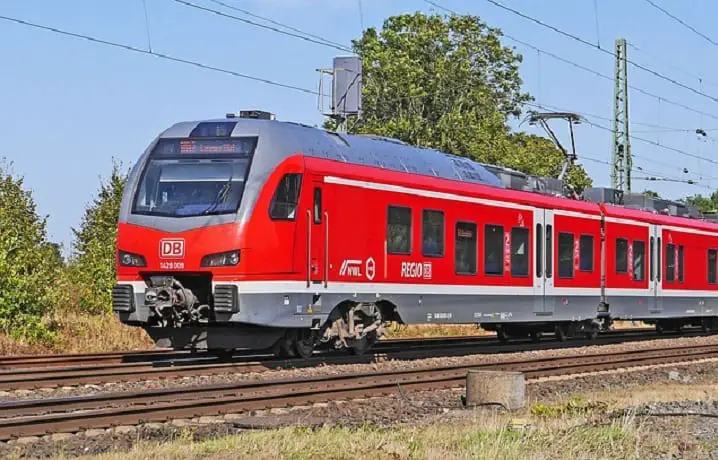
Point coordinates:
[(172, 248)]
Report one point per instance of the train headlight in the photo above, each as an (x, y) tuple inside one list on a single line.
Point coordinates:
[(127, 259), (222, 259)]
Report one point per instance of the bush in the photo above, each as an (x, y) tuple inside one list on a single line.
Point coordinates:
[(92, 268), (28, 263)]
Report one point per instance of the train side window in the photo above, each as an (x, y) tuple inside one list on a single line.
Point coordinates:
[(317, 205), (398, 230), (670, 263), (432, 233), (539, 250), (585, 253), (520, 251), (639, 260), (549, 251), (621, 255), (565, 255), (712, 268), (465, 248), (650, 257), (286, 197), (493, 249), (680, 264)]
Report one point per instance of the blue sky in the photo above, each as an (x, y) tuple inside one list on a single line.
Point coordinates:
[(68, 106)]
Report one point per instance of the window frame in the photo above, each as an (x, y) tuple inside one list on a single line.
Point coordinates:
[(526, 256), (672, 247), (633, 262), (442, 243), (476, 247), (410, 233), (580, 252), (615, 256), (715, 265), (538, 250), (549, 251), (500, 271), (573, 242), (317, 205), (296, 204), (650, 258)]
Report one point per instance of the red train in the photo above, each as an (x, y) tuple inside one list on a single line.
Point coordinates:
[(255, 233)]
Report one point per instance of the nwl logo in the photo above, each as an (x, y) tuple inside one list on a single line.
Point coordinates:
[(172, 248), (350, 268)]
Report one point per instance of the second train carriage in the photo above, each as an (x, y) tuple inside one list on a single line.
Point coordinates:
[(245, 233)]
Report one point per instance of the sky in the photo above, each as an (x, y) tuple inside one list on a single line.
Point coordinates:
[(69, 107)]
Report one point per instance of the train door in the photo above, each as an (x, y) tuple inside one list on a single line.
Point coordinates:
[(317, 235), (543, 260), (655, 283)]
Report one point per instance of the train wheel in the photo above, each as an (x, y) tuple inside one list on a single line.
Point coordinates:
[(502, 335), (284, 348), (591, 334), (360, 346), (561, 332), (535, 336), (304, 345)]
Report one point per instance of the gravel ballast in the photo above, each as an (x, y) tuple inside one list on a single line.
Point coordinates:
[(330, 370), (411, 408)]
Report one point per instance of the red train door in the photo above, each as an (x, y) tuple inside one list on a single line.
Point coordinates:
[(317, 235)]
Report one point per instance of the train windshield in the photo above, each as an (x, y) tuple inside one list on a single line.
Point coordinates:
[(191, 187), (194, 177)]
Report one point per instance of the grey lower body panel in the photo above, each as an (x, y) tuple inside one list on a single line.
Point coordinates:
[(649, 307)]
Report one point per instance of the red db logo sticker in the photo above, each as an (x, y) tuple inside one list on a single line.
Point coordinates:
[(172, 248)]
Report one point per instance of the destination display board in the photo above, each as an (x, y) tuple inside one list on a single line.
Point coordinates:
[(239, 146)]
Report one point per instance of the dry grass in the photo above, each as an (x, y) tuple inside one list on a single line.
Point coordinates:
[(655, 393), (89, 334), (484, 436), (396, 330), (81, 333)]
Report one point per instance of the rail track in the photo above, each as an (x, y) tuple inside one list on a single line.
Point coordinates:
[(169, 365), (43, 416)]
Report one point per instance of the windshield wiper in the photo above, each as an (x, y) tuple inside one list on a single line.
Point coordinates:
[(221, 196)]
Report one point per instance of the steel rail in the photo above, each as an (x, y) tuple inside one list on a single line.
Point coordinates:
[(107, 410), (32, 378), (160, 354)]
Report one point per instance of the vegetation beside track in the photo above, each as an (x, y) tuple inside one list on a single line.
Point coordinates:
[(584, 425)]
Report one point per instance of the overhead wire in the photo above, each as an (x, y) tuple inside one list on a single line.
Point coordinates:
[(165, 56), (641, 139), (588, 69), (277, 23), (300, 36), (595, 46), (682, 22)]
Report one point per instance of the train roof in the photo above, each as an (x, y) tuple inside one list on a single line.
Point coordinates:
[(365, 150), (620, 212), (424, 164)]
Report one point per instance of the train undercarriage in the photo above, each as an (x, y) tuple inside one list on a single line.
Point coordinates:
[(184, 317)]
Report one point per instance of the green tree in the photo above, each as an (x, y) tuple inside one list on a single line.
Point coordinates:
[(92, 269), (448, 83), (651, 194), (28, 263), (704, 203)]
